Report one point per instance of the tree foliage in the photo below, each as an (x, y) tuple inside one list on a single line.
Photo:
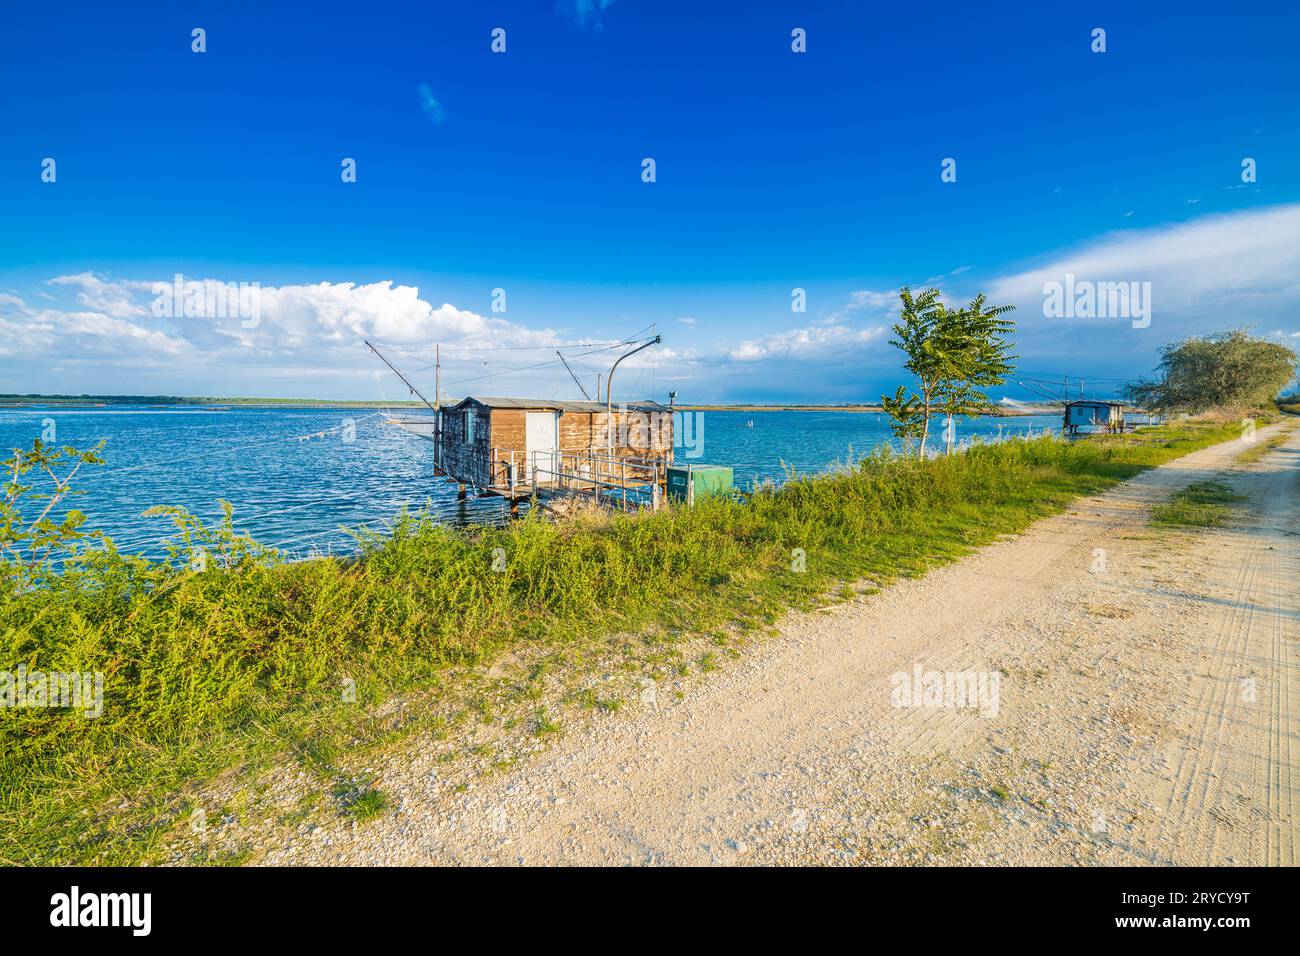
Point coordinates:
[(30, 546), (954, 353), (906, 417), (1229, 370)]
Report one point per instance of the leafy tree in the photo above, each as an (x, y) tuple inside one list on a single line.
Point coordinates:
[(954, 353), (1229, 370)]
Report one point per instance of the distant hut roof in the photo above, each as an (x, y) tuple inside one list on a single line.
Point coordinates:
[(559, 405)]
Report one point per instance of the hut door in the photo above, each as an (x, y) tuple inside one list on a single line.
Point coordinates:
[(541, 434)]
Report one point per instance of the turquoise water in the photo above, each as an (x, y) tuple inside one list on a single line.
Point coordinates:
[(296, 476)]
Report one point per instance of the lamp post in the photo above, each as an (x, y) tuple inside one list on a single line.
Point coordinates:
[(609, 393)]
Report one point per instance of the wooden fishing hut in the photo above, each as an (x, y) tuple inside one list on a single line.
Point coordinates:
[(520, 447)]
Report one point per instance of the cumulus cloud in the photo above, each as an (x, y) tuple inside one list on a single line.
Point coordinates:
[(305, 326), (28, 333)]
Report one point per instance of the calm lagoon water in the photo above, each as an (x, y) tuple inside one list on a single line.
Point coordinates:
[(297, 493)]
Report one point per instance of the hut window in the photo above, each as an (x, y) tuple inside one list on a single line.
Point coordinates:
[(469, 426)]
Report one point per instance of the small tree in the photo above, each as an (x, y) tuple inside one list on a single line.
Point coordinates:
[(954, 354)]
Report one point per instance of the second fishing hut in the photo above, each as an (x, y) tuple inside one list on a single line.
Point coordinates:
[(1091, 413)]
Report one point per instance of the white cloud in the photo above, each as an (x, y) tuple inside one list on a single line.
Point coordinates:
[(1241, 268), (28, 333), (818, 341), (305, 325), (947, 275), (863, 300), (112, 298)]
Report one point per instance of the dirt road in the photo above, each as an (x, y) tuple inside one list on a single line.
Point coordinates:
[(1145, 713)]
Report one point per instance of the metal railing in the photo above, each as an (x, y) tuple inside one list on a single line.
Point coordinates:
[(630, 482)]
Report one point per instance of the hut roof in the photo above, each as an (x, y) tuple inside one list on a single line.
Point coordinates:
[(558, 405)]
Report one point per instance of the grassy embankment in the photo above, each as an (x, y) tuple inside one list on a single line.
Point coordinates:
[(237, 669)]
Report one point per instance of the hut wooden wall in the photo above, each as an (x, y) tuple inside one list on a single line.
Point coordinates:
[(509, 428), (578, 431), (585, 432), (466, 462)]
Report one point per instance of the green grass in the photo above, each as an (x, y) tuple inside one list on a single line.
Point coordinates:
[(544, 725), (1205, 504), (364, 805), (1261, 448), (210, 676)]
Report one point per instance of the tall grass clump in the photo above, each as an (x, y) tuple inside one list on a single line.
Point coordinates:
[(224, 652)]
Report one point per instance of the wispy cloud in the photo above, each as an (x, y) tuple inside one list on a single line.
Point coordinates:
[(1212, 273), (946, 275), (863, 300), (429, 103), (116, 299), (812, 342), (584, 13)]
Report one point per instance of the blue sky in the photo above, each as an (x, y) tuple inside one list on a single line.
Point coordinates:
[(522, 171)]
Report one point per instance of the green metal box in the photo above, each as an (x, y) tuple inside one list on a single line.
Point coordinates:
[(706, 479)]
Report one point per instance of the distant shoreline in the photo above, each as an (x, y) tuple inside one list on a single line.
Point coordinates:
[(169, 401), (996, 413)]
